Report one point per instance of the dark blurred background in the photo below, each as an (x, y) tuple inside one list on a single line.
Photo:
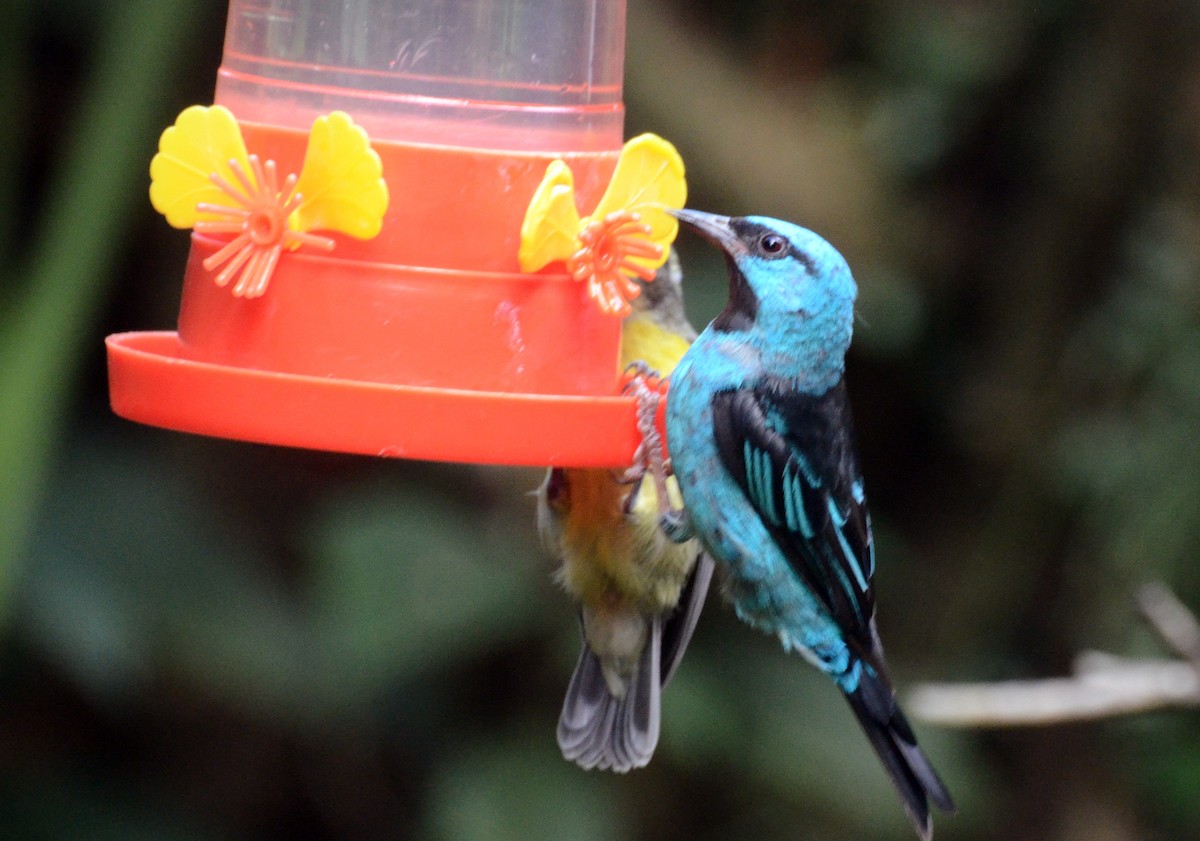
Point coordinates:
[(203, 639)]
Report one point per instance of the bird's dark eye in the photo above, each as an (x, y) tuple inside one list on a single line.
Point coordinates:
[(772, 244)]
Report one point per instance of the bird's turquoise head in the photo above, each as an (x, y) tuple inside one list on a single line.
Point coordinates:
[(790, 291)]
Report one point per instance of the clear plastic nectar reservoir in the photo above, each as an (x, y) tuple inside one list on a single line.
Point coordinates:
[(516, 74)]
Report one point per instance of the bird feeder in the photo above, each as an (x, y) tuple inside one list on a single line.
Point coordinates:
[(414, 232)]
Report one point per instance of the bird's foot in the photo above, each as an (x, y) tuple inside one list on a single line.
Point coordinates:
[(647, 387), (675, 525), (649, 378), (633, 474)]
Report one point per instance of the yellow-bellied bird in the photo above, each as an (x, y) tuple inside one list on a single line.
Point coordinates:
[(639, 594)]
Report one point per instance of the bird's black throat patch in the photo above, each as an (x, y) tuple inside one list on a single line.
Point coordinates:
[(740, 312)]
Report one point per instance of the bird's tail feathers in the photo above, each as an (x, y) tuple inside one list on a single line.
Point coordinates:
[(890, 735), (597, 729)]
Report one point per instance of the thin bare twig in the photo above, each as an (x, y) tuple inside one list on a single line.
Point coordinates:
[(1172, 620), (1101, 686)]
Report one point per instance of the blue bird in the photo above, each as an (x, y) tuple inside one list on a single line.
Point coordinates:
[(761, 442)]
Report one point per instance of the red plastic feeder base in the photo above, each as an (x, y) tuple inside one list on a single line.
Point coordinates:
[(424, 342), (151, 381)]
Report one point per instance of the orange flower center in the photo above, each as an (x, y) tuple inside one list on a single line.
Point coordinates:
[(258, 220), (265, 224), (612, 251)]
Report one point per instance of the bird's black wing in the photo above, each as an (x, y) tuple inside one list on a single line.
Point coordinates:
[(793, 456), (679, 626)]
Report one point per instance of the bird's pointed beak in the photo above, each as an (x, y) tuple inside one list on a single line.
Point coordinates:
[(716, 229)]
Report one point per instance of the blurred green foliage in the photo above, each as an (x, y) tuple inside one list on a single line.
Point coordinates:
[(213, 640), (58, 278)]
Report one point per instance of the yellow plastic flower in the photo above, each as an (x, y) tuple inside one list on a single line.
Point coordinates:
[(203, 178), (628, 235), (202, 142), (341, 181)]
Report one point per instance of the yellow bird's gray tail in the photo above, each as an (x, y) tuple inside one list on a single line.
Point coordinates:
[(600, 730)]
